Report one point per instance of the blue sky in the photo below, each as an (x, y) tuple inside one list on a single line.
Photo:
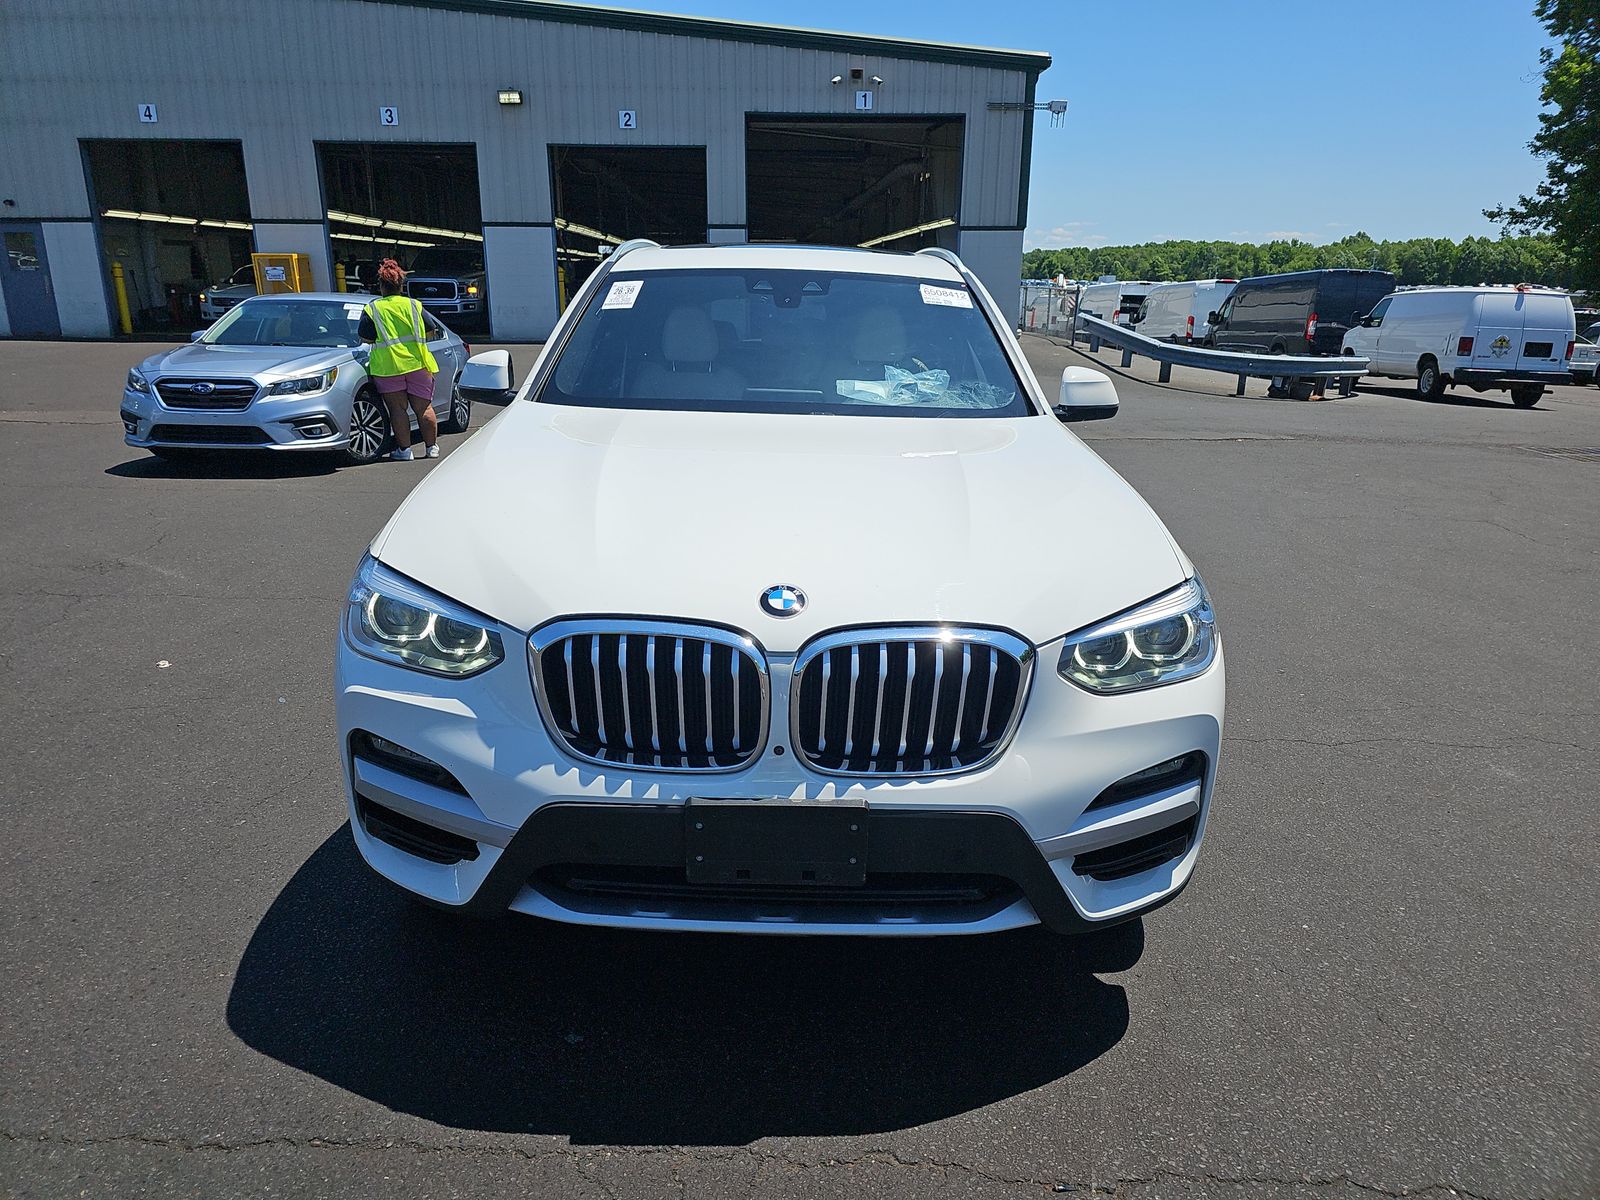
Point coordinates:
[(1192, 119)]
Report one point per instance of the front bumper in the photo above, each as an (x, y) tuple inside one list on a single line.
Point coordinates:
[(474, 305), (533, 831), (288, 424)]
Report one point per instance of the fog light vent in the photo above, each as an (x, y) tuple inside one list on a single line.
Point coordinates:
[(1137, 855), (1175, 772), (313, 426), (402, 761)]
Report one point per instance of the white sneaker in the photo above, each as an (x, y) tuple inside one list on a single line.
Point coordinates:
[(433, 451), (404, 455)]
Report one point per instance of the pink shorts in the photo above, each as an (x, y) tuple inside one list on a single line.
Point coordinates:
[(418, 383)]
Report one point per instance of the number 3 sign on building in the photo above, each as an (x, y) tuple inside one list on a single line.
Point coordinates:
[(388, 116)]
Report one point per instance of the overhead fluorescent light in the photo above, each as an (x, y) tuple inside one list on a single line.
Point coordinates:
[(373, 239), (403, 226), (125, 214), (584, 231), (942, 223), (354, 219)]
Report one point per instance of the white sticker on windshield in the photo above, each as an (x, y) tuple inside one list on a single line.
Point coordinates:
[(623, 293), (948, 296), (352, 310)]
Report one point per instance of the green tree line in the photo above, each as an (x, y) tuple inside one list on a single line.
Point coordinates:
[(1473, 260)]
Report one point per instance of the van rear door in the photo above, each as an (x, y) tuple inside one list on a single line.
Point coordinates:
[(1547, 327), (1497, 342)]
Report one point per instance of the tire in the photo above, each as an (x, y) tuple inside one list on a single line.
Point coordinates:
[(1430, 382), (1526, 395), (369, 429), (460, 413), (1278, 349)]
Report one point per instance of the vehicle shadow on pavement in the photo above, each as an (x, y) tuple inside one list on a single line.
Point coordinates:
[(214, 464), (619, 1038), (1449, 399)]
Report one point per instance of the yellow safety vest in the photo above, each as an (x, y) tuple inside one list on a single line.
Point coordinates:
[(402, 344)]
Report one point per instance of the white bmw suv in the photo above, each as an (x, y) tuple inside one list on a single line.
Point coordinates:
[(792, 605)]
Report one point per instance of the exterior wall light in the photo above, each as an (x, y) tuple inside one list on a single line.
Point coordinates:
[(510, 96)]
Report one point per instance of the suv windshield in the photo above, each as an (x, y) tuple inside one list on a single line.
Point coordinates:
[(447, 260), (271, 321), (788, 342)]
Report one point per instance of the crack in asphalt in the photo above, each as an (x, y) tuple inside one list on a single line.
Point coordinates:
[(1405, 741), (582, 1161)]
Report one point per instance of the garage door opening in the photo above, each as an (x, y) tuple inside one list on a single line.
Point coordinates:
[(605, 195), (176, 215), (893, 183), (418, 204)]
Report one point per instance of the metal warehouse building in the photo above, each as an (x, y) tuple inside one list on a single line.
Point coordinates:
[(504, 146)]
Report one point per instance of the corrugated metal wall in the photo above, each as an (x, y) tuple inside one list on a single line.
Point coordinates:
[(281, 76)]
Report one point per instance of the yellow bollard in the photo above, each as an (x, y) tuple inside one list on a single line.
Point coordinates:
[(124, 318), (561, 287), (338, 278)]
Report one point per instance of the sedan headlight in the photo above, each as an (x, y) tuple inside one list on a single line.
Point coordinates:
[(1170, 638), (392, 619), (306, 384), (137, 382)]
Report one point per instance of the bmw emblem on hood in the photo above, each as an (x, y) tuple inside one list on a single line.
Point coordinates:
[(783, 600)]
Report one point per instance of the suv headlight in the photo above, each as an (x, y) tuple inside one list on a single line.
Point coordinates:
[(1170, 638), (137, 382), (390, 618), (306, 384)]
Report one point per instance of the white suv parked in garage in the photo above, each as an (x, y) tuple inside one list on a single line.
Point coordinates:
[(790, 605)]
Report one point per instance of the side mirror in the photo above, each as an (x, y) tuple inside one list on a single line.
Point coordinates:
[(1086, 395), (489, 377), (1358, 318), (1212, 317), (197, 335)]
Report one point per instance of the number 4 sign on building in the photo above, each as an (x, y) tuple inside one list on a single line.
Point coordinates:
[(147, 114)]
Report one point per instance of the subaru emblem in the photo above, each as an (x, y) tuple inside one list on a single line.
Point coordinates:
[(783, 600), (202, 388)]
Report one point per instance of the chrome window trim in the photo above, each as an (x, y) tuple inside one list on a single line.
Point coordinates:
[(554, 632), (999, 639)]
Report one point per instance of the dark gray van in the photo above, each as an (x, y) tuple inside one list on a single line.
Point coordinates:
[(1303, 312)]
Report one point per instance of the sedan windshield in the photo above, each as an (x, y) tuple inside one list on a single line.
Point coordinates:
[(786, 342), (287, 321)]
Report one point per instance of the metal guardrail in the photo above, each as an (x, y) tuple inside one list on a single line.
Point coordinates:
[(1289, 368)]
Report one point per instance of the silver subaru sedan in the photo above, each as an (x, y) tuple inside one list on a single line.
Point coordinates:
[(282, 372)]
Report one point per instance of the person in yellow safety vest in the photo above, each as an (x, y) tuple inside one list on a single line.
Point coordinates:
[(401, 368)]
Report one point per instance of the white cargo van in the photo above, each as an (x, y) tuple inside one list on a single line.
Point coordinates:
[(1114, 300), (1511, 338), (1176, 312)]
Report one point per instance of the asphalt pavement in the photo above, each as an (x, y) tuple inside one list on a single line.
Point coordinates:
[(1382, 981)]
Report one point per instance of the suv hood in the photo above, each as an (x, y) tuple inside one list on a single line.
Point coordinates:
[(553, 511), (259, 361)]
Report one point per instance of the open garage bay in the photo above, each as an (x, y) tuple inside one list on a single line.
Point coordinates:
[(1382, 981)]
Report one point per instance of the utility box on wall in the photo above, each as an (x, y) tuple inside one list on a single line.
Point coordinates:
[(282, 273)]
